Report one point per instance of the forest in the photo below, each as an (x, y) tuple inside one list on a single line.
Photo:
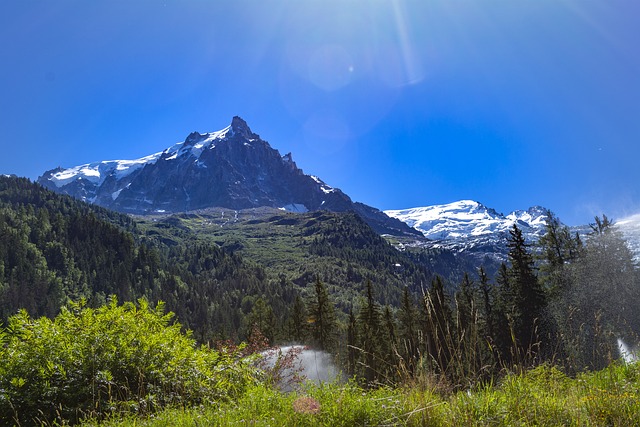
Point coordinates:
[(159, 289)]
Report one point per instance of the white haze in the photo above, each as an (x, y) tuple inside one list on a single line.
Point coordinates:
[(313, 365), (630, 228), (628, 354)]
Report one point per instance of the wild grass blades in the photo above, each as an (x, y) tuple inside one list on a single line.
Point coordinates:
[(543, 396)]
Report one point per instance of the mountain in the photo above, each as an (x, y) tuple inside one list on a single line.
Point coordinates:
[(468, 219), (231, 168), (470, 229)]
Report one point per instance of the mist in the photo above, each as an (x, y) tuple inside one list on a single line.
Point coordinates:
[(295, 363)]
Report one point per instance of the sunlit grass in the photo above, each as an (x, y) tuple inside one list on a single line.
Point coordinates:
[(540, 397)]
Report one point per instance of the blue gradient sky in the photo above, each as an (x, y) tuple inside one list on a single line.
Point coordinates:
[(398, 103)]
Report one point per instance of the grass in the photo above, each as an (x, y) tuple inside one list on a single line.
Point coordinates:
[(543, 396)]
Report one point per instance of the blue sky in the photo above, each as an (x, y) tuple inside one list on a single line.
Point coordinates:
[(398, 103)]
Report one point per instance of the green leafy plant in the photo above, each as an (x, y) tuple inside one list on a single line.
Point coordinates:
[(117, 358)]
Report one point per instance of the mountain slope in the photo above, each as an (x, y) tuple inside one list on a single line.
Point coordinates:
[(340, 248), (232, 168)]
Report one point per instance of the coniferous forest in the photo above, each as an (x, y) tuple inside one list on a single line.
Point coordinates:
[(85, 295)]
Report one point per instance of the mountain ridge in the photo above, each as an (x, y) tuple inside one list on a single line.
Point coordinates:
[(467, 218), (232, 168), (474, 233)]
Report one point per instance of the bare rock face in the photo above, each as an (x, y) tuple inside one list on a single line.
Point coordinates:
[(232, 168)]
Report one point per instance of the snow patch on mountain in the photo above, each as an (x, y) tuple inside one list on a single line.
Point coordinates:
[(295, 207), (326, 189)]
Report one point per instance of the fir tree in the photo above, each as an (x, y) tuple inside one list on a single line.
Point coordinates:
[(529, 297), (298, 321), (369, 336), (323, 318), (262, 318), (408, 331), (558, 248)]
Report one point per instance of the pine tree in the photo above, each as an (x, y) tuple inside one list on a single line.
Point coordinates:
[(298, 326), (352, 352), (558, 248), (469, 353), (369, 335), (262, 318), (486, 291), (466, 309), (504, 315), (389, 345), (408, 331), (323, 318), (601, 305), (529, 297)]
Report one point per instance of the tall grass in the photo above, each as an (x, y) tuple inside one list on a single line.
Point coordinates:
[(543, 396)]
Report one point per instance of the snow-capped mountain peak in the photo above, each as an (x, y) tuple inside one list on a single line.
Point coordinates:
[(471, 230), (467, 218), (232, 168)]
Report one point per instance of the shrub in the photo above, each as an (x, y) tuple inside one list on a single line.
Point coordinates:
[(95, 362)]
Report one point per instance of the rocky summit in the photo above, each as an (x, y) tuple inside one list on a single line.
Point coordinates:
[(232, 168)]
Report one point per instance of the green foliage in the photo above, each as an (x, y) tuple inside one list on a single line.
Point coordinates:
[(224, 273), (370, 339), (95, 362), (438, 326)]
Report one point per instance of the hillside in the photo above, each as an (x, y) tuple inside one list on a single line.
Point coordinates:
[(209, 266), (55, 248), (340, 248)]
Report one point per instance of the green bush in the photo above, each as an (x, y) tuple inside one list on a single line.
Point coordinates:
[(96, 362)]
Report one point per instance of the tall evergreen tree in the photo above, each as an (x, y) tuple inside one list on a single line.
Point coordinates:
[(262, 318), (369, 335), (352, 349), (529, 297), (466, 310), (323, 318), (486, 292), (601, 304), (408, 331), (389, 345), (469, 344), (558, 248), (504, 315), (298, 321)]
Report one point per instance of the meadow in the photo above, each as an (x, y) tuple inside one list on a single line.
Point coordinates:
[(542, 396)]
